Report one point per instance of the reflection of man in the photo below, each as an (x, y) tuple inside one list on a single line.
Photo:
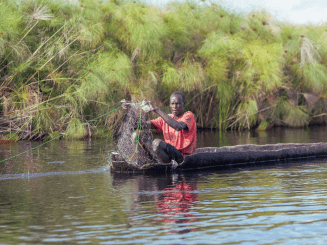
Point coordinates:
[(177, 203), (178, 128), (175, 197)]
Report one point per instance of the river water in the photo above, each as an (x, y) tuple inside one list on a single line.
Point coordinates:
[(63, 192)]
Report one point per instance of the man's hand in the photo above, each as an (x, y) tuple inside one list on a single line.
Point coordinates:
[(148, 106), (125, 104)]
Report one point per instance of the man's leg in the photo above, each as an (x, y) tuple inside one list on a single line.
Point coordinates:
[(166, 152)]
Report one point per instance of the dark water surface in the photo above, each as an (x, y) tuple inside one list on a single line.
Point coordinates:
[(63, 193)]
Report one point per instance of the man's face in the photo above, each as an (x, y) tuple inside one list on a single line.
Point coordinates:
[(176, 105)]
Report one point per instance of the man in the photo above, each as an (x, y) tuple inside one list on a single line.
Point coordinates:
[(178, 128)]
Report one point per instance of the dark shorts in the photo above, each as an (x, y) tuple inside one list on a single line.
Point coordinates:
[(174, 154)]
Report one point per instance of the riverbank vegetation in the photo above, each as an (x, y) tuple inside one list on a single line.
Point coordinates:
[(64, 63)]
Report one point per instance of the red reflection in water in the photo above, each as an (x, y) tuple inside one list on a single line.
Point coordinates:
[(177, 203)]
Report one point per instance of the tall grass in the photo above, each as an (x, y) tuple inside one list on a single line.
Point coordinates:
[(64, 63)]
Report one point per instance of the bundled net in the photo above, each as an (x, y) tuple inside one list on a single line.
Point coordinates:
[(135, 137)]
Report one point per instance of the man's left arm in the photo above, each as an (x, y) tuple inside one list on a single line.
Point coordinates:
[(177, 125), (189, 119)]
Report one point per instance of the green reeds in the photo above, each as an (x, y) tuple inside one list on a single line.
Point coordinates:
[(63, 64)]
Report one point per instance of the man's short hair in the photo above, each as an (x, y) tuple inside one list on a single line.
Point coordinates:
[(179, 93)]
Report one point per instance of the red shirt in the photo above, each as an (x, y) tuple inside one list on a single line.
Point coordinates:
[(184, 140)]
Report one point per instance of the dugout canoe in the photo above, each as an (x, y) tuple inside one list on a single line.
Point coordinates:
[(230, 157)]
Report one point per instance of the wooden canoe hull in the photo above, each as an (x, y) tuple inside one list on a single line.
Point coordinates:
[(230, 156)]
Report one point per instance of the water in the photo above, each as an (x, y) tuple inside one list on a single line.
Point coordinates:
[(63, 193)]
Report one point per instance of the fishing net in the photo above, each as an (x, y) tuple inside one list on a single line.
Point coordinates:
[(26, 159), (36, 158), (61, 157), (135, 137)]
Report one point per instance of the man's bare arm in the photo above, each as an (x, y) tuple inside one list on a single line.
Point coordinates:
[(171, 121)]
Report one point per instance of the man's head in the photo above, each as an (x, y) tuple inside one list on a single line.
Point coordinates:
[(177, 103)]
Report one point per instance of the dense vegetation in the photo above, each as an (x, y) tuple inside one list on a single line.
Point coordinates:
[(65, 63)]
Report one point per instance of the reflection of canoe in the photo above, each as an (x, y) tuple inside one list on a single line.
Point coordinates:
[(231, 156)]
